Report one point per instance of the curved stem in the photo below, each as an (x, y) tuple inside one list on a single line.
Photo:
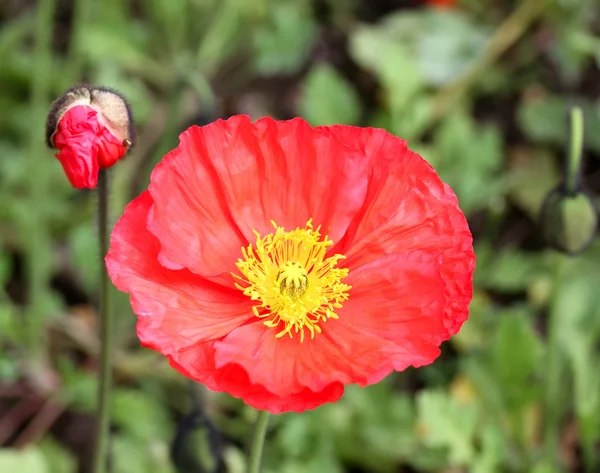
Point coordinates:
[(258, 441), (509, 32), (104, 384), (573, 168)]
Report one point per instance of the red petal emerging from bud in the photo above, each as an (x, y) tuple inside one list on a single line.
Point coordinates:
[(85, 146)]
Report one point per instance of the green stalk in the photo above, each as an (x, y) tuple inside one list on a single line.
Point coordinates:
[(553, 405), (32, 221), (258, 442), (575, 150), (554, 401), (506, 35), (81, 15), (105, 375)]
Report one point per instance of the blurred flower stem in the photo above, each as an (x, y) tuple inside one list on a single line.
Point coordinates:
[(32, 221), (74, 74), (509, 32), (554, 402), (573, 168), (258, 441), (555, 368), (106, 349), (81, 15)]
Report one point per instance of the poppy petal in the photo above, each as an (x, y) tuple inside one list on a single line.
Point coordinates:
[(176, 309), (230, 178), (392, 320), (85, 146), (190, 217), (288, 172), (198, 363), (75, 139), (408, 208), (399, 298)]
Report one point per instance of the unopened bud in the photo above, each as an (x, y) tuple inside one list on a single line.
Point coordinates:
[(569, 221), (92, 128)]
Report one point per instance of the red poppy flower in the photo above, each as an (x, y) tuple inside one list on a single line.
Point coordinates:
[(279, 262), (91, 127)]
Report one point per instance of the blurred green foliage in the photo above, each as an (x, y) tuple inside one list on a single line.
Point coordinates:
[(481, 90)]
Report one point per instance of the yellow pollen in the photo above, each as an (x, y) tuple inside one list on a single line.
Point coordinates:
[(295, 286)]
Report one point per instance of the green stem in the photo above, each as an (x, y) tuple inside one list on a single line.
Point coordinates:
[(575, 150), (81, 15), (104, 385), (509, 32), (258, 441), (553, 405), (32, 222), (554, 401)]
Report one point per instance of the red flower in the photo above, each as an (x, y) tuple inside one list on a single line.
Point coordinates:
[(85, 146), (232, 279)]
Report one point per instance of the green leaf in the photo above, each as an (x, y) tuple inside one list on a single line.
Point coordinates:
[(131, 411), (59, 459), (509, 270), (516, 356), (107, 42), (169, 19), (477, 330), (294, 435), (391, 61), (131, 455), (468, 157), (283, 45), (221, 39), (584, 361), (447, 45), (573, 46), (492, 453), (13, 33), (533, 173), (321, 459), (543, 119), (83, 245), (30, 460), (327, 98), (443, 44), (125, 46), (194, 448), (447, 423), (79, 387), (578, 313), (387, 420), (542, 467)]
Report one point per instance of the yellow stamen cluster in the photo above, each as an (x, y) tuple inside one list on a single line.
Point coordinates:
[(295, 286)]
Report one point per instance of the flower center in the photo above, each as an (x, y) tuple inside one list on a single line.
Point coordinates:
[(293, 280), (296, 287)]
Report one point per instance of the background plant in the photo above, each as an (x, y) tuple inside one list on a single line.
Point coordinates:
[(480, 90)]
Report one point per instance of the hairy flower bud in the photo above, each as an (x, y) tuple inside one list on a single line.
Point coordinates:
[(92, 128)]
